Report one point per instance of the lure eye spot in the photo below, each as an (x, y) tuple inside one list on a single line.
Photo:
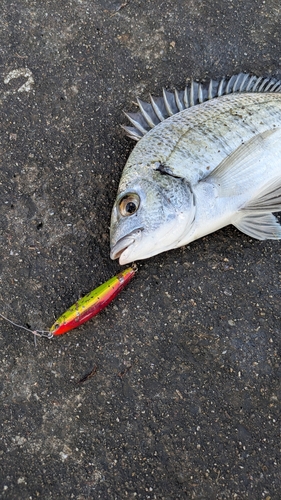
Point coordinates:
[(129, 204)]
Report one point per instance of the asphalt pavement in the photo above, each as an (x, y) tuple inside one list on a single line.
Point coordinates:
[(183, 401)]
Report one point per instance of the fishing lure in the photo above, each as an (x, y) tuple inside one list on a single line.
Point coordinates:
[(87, 307), (90, 305)]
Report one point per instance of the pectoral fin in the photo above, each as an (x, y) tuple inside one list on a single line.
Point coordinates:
[(249, 161), (242, 173), (268, 199), (260, 226)]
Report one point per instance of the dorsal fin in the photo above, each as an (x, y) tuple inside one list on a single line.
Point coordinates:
[(160, 108)]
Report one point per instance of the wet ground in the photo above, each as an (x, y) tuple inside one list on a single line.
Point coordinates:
[(184, 400)]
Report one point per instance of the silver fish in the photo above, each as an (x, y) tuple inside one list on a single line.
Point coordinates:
[(206, 157)]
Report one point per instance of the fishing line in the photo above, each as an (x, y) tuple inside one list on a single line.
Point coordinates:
[(38, 333)]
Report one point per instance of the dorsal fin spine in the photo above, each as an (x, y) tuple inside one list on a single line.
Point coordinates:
[(241, 88), (256, 84), (210, 90), (136, 123), (146, 115), (185, 98), (250, 83), (167, 104), (191, 95), (229, 84), (156, 109), (178, 101), (234, 89), (132, 132), (220, 87)]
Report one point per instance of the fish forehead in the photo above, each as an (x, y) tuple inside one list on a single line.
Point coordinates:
[(194, 141)]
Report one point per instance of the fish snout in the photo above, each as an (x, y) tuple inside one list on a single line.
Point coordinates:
[(119, 250)]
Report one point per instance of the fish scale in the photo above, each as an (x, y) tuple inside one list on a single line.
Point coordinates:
[(191, 146)]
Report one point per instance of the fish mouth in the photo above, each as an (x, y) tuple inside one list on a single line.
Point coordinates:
[(125, 242)]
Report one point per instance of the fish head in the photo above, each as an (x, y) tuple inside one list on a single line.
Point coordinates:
[(151, 214)]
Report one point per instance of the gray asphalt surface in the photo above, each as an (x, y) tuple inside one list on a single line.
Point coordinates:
[(185, 401)]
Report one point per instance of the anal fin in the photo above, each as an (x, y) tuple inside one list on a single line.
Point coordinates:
[(260, 226)]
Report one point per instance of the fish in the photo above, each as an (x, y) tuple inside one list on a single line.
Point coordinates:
[(206, 157)]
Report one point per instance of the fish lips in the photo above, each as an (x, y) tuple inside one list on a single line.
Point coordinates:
[(119, 250)]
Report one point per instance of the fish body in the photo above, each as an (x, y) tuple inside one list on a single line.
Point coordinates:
[(201, 168)]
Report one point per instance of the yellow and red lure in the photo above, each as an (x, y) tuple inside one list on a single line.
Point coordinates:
[(90, 305)]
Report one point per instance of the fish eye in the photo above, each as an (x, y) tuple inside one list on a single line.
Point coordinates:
[(129, 204)]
